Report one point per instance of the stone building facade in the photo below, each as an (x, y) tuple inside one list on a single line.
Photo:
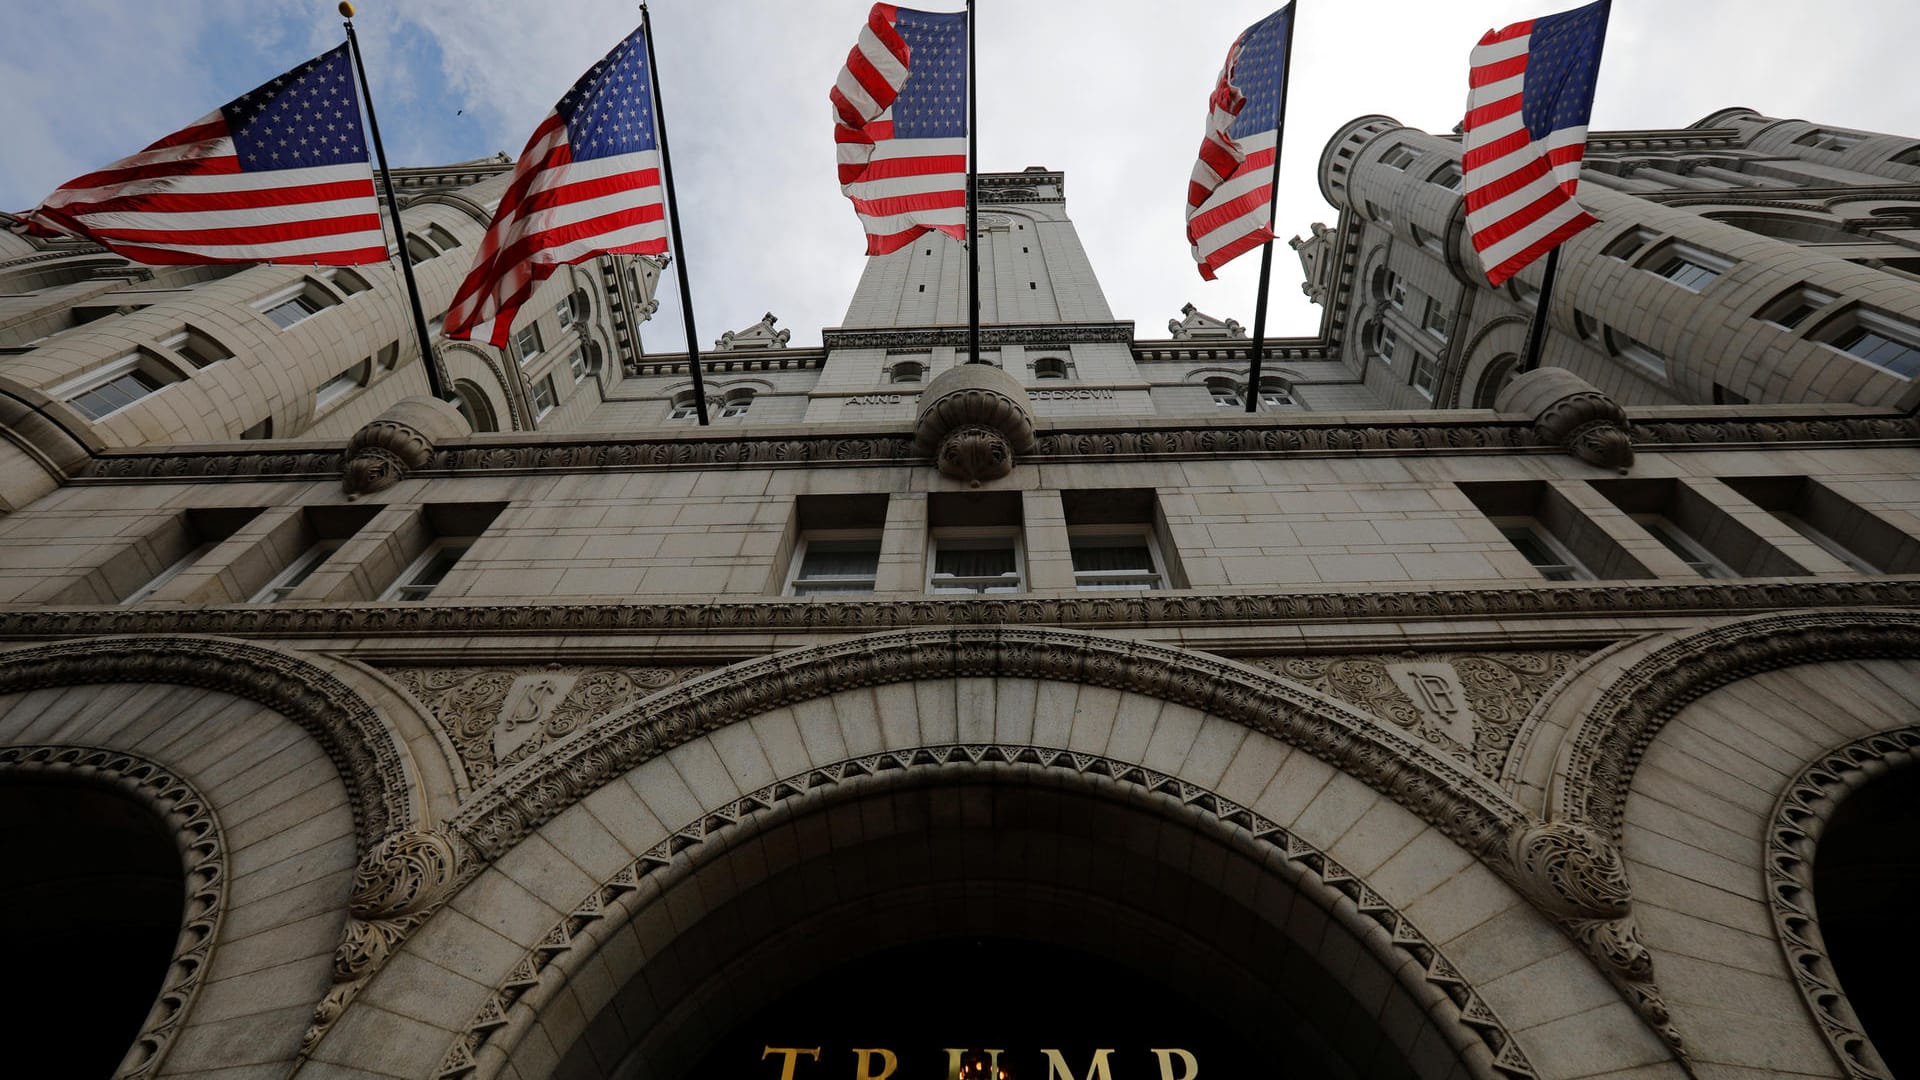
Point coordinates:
[(1054, 706)]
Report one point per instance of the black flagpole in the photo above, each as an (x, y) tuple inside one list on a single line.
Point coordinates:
[(1252, 393), (429, 360), (973, 203), (1537, 326), (673, 223)]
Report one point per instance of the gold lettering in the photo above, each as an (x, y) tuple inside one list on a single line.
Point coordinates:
[(1057, 1066), (1190, 1071), (957, 1059), (865, 1069), (792, 1054)]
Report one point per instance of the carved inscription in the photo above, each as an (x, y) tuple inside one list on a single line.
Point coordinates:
[(1084, 394)]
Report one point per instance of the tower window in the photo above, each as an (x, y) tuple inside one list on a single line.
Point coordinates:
[(1434, 319), (1686, 267), (1426, 374), (545, 398), (1399, 157), (117, 386), (906, 371), (526, 341), (335, 389), (441, 238), (1791, 308), (297, 304), (1050, 367), (685, 406), (1275, 394), (1226, 393), (1447, 176), (1642, 356), (1882, 343), (736, 404), (1822, 139)]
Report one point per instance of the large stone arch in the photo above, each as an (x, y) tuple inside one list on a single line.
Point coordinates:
[(590, 829)]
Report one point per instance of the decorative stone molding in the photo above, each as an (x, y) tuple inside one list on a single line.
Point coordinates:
[(1571, 413), (1316, 261), (399, 441), (1090, 611), (760, 335), (1448, 795), (1170, 439), (1199, 326), (397, 885), (371, 761), (203, 863), (925, 340), (973, 420), (550, 961), (1799, 817)]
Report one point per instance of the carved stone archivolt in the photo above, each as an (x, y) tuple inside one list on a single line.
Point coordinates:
[(1799, 817), (575, 936), (1571, 413), (974, 419), (399, 441), (1469, 706), (495, 717), (203, 861)]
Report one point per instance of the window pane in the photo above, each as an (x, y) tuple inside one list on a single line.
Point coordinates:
[(974, 562), (1130, 557), (853, 558)]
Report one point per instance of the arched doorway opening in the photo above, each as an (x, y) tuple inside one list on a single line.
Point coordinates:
[(1002, 906), (472, 402), (91, 879), (1866, 885)]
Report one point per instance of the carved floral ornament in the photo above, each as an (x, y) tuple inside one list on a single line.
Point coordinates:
[(204, 864), (973, 420)]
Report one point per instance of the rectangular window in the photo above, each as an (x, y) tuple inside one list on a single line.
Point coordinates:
[(418, 581), (544, 396), (1822, 139), (1547, 554), (1114, 540), (1629, 244), (441, 238), (963, 563), (834, 562), (564, 313), (1877, 339), (1399, 157), (1426, 374), (1792, 308), (297, 571), (1690, 269), (1558, 538), (1447, 176), (1640, 355), (1703, 533), (526, 342), (577, 363), (119, 386), (295, 305), (348, 282), (336, 389), (1859, 538), (1435, 319), (196, 348), (179, 566), (1690, 551), (1377, 214)]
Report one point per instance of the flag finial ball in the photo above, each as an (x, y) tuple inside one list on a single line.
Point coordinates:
[(346, 9)]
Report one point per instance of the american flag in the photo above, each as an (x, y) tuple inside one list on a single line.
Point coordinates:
[(587, 184), (277, 175), (1230, 198), (901, 107), (1526, 131)]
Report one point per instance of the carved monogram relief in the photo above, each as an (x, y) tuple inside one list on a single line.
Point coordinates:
[(1469, 707), (497, 716)]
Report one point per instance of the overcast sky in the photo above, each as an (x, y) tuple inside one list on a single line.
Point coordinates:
[(1111, 91)]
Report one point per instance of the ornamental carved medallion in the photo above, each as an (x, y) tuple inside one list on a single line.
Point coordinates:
[(1467, 706), (495, 717)]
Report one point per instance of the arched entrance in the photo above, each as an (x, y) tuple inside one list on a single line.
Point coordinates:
[(1866, 879)]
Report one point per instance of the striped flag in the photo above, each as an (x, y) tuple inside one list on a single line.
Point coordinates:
[(277, 175), (1526, 132), (587, 184), (1230, 198), (901, 132)]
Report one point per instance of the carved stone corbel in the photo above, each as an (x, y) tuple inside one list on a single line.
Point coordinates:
[(396, 887), (1574, 873), (1571, 413), (398, 441), (973, 420)]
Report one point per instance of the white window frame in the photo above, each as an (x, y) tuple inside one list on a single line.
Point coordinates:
[(1860, 320), (735, 405), (577, 363), (1226, 393), (1454, 178), (1400, 156), (408, 583), (1569, 566), (975, 539), (1426, 374), (315, 295), (563, 312), (543, 388), (74, 389), (1118, 580), (529, 332), (1683, 265), (295, 573), (1643, 357), (1800, 304), (684, 406), (175, 569), (900, 368), (337, 389), (197, 349), (794, 582), (1385, 344), (1435, 320)]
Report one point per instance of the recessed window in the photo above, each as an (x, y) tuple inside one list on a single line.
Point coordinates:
[(261, 430), (963, 563), (196, 348), (1823, 139), (906, 371), (1447, 176), (1390, 288), (1542, 549), (1115, 560), (441, 238), (1686, 547), (1687, 267), (1435, 319), (388, 355), (1377, 214), (834, 563), (1050, 367), (1399, 157), (1385, 344), (1909, 156), (105, 392), (563, 311), (430, 569), (178, 567), (1791, 308), (295, 305), (526, 342), (1877, 339), (1225, 392), (347, 281), (1275, 394), (577, 363), (1426, 374), (1640, 355), (685, 406), (736, 404), (337, 388), (544, 396), (297, 571), (1630, 244), (419, 251)]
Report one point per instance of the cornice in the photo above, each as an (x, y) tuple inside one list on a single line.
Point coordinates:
[(956, 336), (1305, 435), (1159, 612)]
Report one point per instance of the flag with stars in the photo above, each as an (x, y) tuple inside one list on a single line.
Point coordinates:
[(1230, 196), (900, 107), (1526, 133), (277, 175), (587, 184)]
